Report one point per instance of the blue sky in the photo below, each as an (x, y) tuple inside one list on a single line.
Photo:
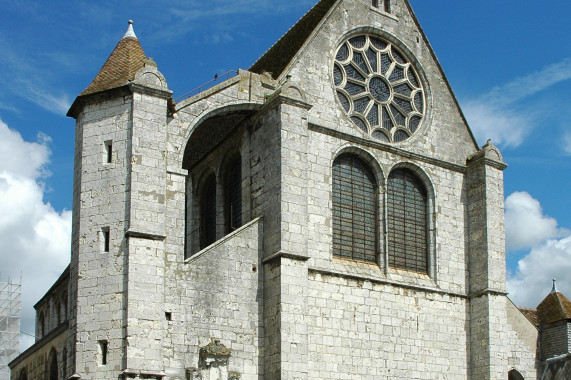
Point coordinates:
[(508, 62)]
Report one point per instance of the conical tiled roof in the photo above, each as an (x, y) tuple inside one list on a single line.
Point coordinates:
[(120, 68), (278, 57), (554, 308)]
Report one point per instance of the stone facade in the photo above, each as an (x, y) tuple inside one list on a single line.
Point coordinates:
[(153, 295)]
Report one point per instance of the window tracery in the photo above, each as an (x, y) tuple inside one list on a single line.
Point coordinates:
[(378, 88), (407, 222), (354, 209)]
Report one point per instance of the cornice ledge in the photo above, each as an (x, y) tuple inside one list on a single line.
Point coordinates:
[(144, 235), (283, 254), (158, 92), (152, 374), (487, 291), (386, 148), (374, 280), (280, 98)]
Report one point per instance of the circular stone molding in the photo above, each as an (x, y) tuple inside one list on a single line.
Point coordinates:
[(378, 88)]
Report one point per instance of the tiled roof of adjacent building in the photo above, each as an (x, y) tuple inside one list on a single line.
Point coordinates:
[(278, 57), (554, 308), (530, 314), (120, 68)]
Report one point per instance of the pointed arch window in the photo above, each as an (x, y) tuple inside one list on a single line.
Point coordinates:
[(354, 209), (64, 307), (208, 212), (407, 222), (233, 195), (42, 325), (58, 313), (53, 366)]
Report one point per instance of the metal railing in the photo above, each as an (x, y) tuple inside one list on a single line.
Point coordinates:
[(227, 75)]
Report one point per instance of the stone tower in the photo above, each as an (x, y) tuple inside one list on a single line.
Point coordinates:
[(119, 216)]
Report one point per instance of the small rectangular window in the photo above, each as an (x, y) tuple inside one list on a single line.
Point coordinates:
[(387, 5), (376, 3), (168, 316), (109, 151), (105, 240), (103, 351)]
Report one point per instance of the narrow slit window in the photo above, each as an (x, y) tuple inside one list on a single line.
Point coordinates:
[(105, 239), (384, 5), (387, 5), (208, 213), (108, 151), (233, 195), (103, 351), (42, 325)]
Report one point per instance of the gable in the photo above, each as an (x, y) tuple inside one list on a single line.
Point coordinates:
[(433, 125)]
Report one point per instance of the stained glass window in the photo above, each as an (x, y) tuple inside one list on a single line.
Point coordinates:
[(370, 73), (354, 209), (407, 210)]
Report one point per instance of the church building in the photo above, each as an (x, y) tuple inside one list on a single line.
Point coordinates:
[(324, 214)]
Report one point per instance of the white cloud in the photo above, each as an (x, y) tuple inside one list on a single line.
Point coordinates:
[(25, 77), (8, 107), (35, 237), (532, 281), (550, 251), (567, 143), (193, 10), (190, 14), (503, 126), (499, 114), (526, 226), (531, 84)]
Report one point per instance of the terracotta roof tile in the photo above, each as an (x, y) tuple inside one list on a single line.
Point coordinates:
[(530, 314), (120, 68), (554, 308), (278, 57)]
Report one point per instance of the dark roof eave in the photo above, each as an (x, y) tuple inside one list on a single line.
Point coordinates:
[(39, 344), (124, 90), (279, 56), (64, 276)]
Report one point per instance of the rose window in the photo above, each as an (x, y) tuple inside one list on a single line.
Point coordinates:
[(378, 88)]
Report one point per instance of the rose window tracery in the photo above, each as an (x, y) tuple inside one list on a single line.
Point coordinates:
[(378, 88)]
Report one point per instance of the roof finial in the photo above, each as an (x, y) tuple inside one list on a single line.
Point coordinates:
[(554, 289), (130, 32)]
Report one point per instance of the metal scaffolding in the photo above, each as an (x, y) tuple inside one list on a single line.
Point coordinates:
[(10, 310)]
